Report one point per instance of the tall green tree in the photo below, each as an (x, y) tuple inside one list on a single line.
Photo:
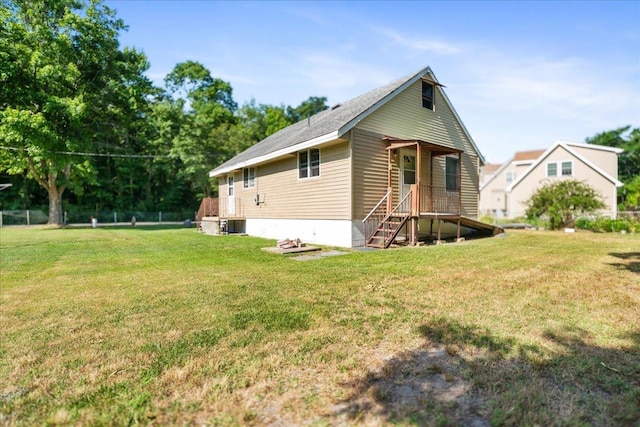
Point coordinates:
[(203, 104), (307, 108), (628, 139), (261, 120), (65, 85)]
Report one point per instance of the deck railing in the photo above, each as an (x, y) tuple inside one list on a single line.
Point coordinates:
[(436, 199), (236, 205), (208, 207)]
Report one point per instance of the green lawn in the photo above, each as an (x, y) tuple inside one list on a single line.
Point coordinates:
[(160, 326)]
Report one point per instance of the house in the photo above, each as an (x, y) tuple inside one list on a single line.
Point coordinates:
[(506, 190), (496, 178), (396, 161), (487, 171)]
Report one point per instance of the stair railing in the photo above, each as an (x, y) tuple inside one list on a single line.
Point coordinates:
[(404, 207), (402, 210), (375, 217)]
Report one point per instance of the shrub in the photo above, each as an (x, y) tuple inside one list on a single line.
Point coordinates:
[(608, 225), (562, 201)]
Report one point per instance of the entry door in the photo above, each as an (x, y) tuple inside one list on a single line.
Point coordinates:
[(407, 172), (231, 204)]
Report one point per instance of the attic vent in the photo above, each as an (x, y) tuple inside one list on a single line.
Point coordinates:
[(335, 107)]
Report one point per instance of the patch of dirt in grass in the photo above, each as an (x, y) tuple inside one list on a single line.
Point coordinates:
[(422, 386)]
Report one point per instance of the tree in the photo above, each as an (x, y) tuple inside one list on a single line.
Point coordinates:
[(562, 201), (203, 104), (628, 161), (261, 120), (307, 108), (64, 86)]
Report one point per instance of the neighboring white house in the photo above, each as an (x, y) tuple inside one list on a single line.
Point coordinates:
[(505, 191)]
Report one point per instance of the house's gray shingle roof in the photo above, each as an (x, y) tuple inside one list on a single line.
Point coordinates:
[(323, 123)]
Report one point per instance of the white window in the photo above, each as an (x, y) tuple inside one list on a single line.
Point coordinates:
[(230, 186), (564, 168), (511, 176), (309, 163), (408, 169), (249, 177), (451, 174)]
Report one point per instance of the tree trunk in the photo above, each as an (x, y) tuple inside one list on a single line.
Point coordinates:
[(55, 196), (55, 206)]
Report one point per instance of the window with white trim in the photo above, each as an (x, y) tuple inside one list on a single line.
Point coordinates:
[(564, 168), (451, 173), (309, 163), (511, 176), (249, 177)]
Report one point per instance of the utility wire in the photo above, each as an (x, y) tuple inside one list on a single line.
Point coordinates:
[(75, 153)]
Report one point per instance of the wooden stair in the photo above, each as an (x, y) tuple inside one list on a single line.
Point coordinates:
[(388, 230)]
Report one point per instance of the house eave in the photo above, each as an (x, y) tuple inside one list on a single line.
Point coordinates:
[(593, 146), (496, 174), (331, 136)]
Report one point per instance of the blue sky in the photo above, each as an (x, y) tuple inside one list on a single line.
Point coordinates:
[(521, 75)]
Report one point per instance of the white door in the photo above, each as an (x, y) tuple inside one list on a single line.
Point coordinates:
[(231, 203), (407, 172)]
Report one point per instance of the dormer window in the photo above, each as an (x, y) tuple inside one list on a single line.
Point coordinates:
[(427, 95)]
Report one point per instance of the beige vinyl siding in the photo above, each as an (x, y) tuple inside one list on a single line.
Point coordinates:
[(605, 160), (469, 185), (369, 171), (404, 117), (520, 169), (286, 196)]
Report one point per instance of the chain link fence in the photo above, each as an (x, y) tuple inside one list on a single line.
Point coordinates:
[(38, 217)]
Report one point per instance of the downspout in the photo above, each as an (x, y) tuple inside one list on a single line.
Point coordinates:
[(431, 190)]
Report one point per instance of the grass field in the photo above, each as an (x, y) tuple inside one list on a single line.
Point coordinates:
[(158, 326)]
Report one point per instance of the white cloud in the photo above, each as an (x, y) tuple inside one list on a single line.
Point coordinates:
[(512, 102), (413, 43), (329, 71)]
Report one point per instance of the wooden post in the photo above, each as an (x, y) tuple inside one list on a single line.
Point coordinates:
[(414, 200), (412, 241), (431, 183), (459, 183), (418, 174), (389, 169), (414, 213)]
